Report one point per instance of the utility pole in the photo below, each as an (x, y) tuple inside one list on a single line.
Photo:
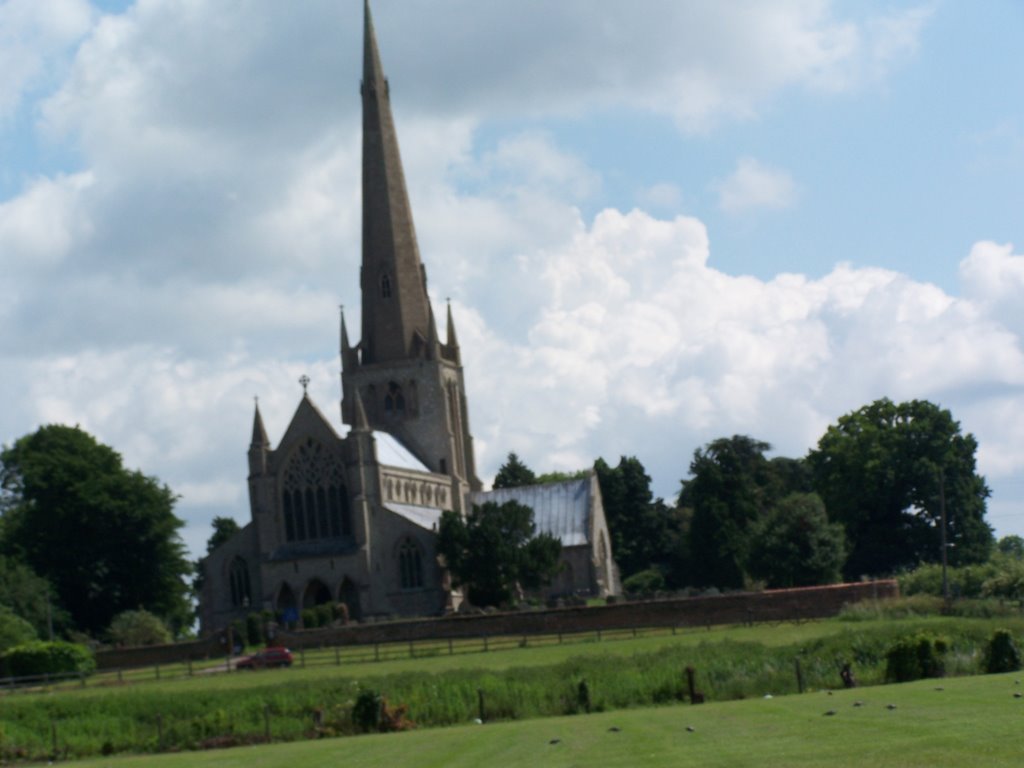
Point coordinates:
[(945, 558)]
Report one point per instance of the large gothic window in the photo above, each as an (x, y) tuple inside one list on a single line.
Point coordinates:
[(410, 565), (238, 579), (313, 497)]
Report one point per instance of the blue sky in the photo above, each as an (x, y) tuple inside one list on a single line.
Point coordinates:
[(658, 223)]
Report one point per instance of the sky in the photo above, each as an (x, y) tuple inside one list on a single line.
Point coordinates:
[(658, 222)]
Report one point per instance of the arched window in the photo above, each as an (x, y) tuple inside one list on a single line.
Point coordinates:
[(385, 286), (314, 501), (394, 400), (238, 578), (410, 565)]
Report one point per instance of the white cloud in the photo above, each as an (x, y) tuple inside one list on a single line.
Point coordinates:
[(754, 185), (35, 36), (197, 258)]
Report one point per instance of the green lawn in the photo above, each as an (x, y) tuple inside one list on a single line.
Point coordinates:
[(974, 720), (539, 652)]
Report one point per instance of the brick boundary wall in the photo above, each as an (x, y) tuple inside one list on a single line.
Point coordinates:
[(736, 608)]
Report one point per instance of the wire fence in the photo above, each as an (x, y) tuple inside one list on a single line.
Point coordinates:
[(335, 655)]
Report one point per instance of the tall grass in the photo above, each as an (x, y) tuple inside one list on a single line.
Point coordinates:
[(135, 719)]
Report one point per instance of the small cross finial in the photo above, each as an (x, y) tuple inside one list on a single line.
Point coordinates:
[(304, 381), (256, 399)]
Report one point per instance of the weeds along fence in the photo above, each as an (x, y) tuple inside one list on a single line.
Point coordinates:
[(336, 656)]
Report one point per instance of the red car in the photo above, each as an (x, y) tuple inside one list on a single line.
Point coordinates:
[(268, 657)]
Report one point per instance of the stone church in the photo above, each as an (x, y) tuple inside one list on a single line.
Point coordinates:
[(353, 519)]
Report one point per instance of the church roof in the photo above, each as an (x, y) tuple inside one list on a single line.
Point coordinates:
[(424, 517), (392, 453), (561, 509)]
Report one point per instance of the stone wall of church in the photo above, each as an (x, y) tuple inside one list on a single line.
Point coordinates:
[(226, 595)]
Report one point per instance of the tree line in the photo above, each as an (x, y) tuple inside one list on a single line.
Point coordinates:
[(88, 547), (868, 500)]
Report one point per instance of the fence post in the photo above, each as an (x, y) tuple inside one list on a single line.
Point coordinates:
[(266, 723), (799, 676), (157, 671), (599, 635), (120, 679), (337, 655), (485, 643), (53, 737), (190, 666), (159, 732), (376, 651), (302, 657), (412, 650), (81, 678), (480, 701), (450, 651), (559, 637)]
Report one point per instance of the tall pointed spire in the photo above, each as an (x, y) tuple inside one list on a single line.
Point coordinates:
[(259, 432), (453, 342), (360, 423), (395, 303)]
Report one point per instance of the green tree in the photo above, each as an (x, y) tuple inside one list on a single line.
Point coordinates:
[(732, 485), (513, 474), (138, 628), (1011, 546), (641, 527), (795, 545), (495, 549), (31, 597), (885, 471), (14, 630), (105, 537), (223, 529)]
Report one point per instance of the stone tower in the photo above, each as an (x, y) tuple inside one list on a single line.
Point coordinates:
[(410, 383)]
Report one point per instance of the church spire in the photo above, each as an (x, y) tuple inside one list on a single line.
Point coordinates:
[(259, 432), (259, 445), (395, 303)]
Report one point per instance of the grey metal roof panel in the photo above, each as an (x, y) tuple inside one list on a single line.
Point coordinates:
[(561, 509), (425, 517)]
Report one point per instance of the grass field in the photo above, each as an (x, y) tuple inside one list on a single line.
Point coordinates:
[(533, 682), (971, 720)]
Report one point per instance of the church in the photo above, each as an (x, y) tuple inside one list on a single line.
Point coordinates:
[(354, 519)]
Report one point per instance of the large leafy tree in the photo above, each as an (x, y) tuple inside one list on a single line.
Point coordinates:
[(31, 597), (732, 485), (495, 549), (794, 544), (514, 473), (104, 536), (643, 529), (886, 470)]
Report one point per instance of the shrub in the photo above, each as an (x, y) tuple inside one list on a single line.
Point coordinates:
[(914, 658), (1001, 653), (239, 635), (341, 612), (138, 628), (371, 712), (254, 629), (14, 630), (48, 658), (309, 619), (644, 582), (366, 711), (324, 615)]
